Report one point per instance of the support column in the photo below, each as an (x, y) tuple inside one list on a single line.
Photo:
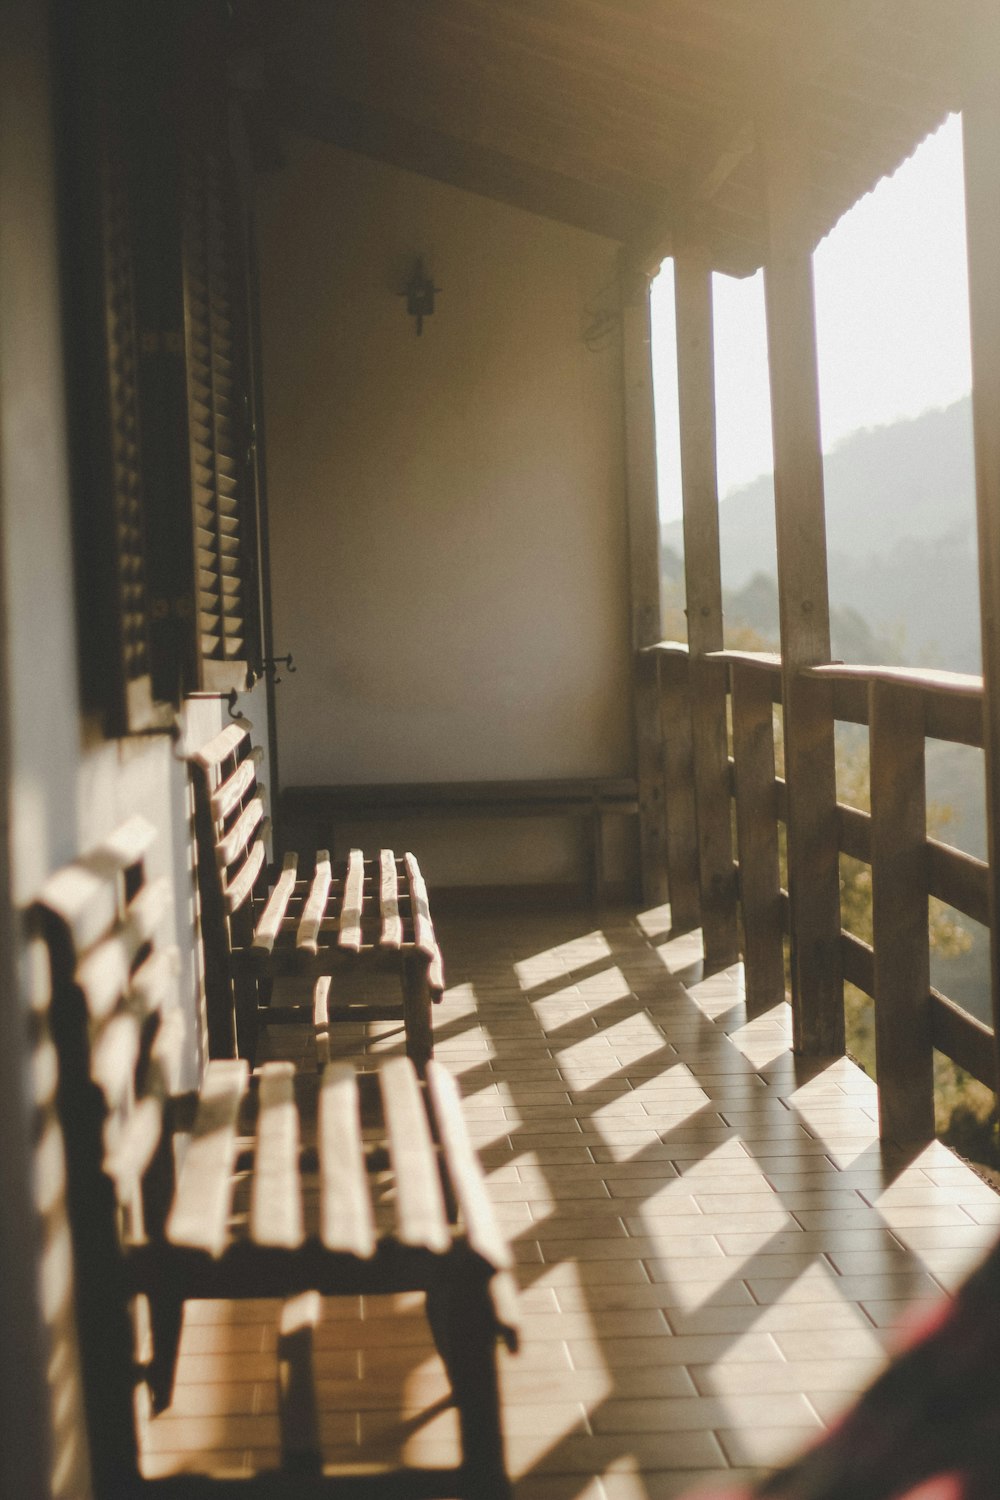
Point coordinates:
[(813, 884), (644, 570), (904, 1047), (703, 582), (981, 126)]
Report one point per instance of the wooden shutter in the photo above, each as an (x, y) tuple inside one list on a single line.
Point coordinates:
[(220, 432), (136, 706), (97, 222)]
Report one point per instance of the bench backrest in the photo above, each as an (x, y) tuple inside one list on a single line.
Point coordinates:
[(231, 826), (112, 1014)]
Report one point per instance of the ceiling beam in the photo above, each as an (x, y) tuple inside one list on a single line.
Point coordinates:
[(465, 164), (809, 50)]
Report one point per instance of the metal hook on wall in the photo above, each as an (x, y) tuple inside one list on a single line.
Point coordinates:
[(272, 663)]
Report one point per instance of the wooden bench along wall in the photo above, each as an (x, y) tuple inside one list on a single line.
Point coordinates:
[(291, 1215), (313, 813), (360, 913)]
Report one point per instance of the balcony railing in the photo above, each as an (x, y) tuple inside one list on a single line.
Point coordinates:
[(901, 709)]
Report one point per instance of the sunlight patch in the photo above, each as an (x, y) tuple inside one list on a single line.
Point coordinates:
[(461, 999), (766, 1038), (558, 962)]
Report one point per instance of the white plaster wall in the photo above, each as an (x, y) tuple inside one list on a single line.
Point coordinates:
[(447, 512), (65, 786)]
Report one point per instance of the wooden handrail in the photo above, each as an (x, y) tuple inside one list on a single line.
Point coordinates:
[(935, 705)]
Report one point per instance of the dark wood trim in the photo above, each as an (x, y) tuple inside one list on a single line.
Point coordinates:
[(981, 125), (678, 782), (813, 852), (963, 1038), (903, 1041), (703, 582), (464, 164), (644, 577), (757, 839)]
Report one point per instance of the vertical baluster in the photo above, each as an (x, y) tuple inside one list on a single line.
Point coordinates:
[(903, 1042), (757, 837)]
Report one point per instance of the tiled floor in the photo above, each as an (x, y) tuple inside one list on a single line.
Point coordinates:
[(712, 1250)]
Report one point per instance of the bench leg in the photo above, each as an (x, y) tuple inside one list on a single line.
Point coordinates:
[(417, 1011), (462, 1320), (166, 1314), (245, 1002)]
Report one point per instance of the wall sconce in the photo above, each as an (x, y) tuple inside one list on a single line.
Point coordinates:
[(419, 293)]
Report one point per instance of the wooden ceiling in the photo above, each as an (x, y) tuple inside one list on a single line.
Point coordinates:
[(635, 119)]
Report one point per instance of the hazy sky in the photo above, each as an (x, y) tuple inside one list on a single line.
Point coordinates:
[(892, 323)]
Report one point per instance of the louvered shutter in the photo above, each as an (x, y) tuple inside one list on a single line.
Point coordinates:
[(136, 708), (219, 427), (97, 220)]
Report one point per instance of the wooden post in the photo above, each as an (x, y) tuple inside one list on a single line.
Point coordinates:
[(757, 838), (644, 558), (903, 1041), (981, 125), (678, 782), (703, 582), (814, 893)]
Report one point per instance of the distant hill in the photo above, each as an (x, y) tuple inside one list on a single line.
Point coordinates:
[(900, 503)]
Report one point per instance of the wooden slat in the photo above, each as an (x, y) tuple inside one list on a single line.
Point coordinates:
[(959, 879), (314, 907), (481, 1228), (166, 1053), (199, 1217), (681, 831), (757, 838), (347, 1221), (420, 1211), (424, 936), (153, 986), (858, 962), (644, 577), (981, 132), (113, 1058), (84, 901), (446, 799), (103, 976), (232, 844), (903, 1044), (963, 1038), (810, 771), (125, 846), (238, 889), (392, 925), (226, 743), (276, 1193), (854, 832), (952, 700), (267, 929), (298, 1413), (234, 789), (135, 1147), (703, 584), (321, 1019), (349, 935), (147, 912)]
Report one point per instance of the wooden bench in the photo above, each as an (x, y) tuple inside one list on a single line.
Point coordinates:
[(291, 1187), (360, 913), (313, 812)]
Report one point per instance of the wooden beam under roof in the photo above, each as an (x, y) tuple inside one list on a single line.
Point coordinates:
[(463, 164), (813, 44)]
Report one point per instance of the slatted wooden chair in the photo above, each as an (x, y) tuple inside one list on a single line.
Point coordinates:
[(289, 1187), (361, 914)]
